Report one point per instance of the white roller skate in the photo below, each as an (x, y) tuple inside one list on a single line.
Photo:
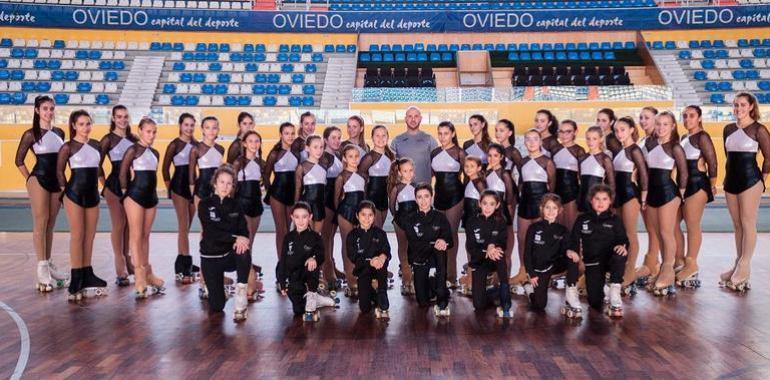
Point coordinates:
[(381, 314), (44, 279), (324, 301), (311, 310), (630, 289), (518, 290), (606, 294), (439, 312), (528, 289), (740, 287), (572, 308), (559, 282), (505, 314), (241, 303), (60, 279), (615, 308), (203, 293), (691, 282)]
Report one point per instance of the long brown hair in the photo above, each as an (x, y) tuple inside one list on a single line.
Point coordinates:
[(553, 122), (241, 117), (277, 146), (37, 132), (448, 124), (754, 113), (674, 132), (388, 153), (115, 109), (631, 124), (74, 116), (358, 119), (485, 139), (509, 124), (243, 145), (393, 176)]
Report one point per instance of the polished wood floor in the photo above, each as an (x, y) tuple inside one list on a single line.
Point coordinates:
[(707, 333)]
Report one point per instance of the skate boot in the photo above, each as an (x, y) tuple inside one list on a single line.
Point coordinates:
[(664, 284), (453, 284), (606, 291), (122, 281), (183, 269), (528, 289), (44, 279), (203, 292), (631, 289), (466, 282), (76, 285), (407, 289), (504, 313), (572, 308), (724, 278), (615, 308), (324, 301), (255, 287), (92, 286), (647, 273), (439, 312), (739, 281), (142, 290), (60, 279), (311, 310), (155, 281), (240, 303), (196, 272), (382, 315), (258, 271), (517, 282), (559, 282), (581, 286), (688, 276)]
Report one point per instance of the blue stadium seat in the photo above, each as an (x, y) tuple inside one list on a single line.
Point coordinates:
[(18, 98), (236, 57), (118, 65), (81, 54), (308, 101), (295, 101), (177, 100), (212, 47), (454, 47), (43, 86), (722, 54), (707, 64), (317, 57), (396, 47), (185, 77), (191, 100), (739, 74), (84, 87), (211, 56), (178, 66), (725, 86), (7, 42), (61, 98), (746, 64), (231, 101), (308, 89), (657, 45), (670, 45), (248, 48), (284, 89), (39, 64), (258, 89), (244, 100), (283, 48), (717, 98), (711, 87), (685, 54), (447, 56), (216, 66), (5, 98), (432, 48), (269, 101), (340, 48), (294, 57), (273, 78), (271, 89), (609, 55), (307, 48), (94, 54), (298, 78), (287, 68), (223, 78), (199, 77), (328, 48), (207, 89), (111, 76), (188, 56), (260, 48), (420, 47), (435, 57), (17, 75), (743, 43), (220, 89), (710, 54), (200, 47), (351, 48), (282, 57), (259, 57), (177, 46), (537, 56), (764, 85), (699, 75), (296, 48), (105, 65), (28, 86), (102, 99), (169, 88)]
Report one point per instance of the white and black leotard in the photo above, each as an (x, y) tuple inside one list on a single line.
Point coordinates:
[(375, 167), (114, 147), (538, 175), (205, 160), (178, 153), (699, 147), (46, 151), (741, 146), (594, 169), (141, 188), (402, 202), (447, 165), (631, 174), (248, 191), (82, 188), (350, 191), (661, 161), (310, 187), (282, 164)]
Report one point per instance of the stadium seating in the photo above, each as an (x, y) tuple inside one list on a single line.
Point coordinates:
[(722, 67)]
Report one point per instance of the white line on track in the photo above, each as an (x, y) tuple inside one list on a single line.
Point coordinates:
[(21, 364)]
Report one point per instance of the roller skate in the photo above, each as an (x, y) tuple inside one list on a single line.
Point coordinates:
[(311, 311), (439, 312), (382, 315), (60, 279), (391, 280), (646, 274), (740, 285), (255, 288), (258, 271), (664, 285), (528, 289), (324, 301), (183, 269), (351, 291), (453, 284), (91, 285), (141, 288), (517, 282), (504, 313), (559, 282), (203, 293), (76, 285), (44, 280), (155, 281), (688, 277), (466, 282), (122, 281), (572, 308), (630, 289), (407, 289), (724, 278), (615, 308), (241, 312), (581, 286)]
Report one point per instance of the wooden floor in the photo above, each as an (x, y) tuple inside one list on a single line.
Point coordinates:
[(707, 333)]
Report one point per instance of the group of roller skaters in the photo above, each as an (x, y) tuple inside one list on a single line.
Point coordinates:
[(575, 208)]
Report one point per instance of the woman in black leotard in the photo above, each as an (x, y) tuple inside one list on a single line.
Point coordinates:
[(81, 202), (205, 158), (278, 177), (245, 124)]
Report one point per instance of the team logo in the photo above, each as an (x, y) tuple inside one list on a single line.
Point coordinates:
[(291, 248), (477, 233)]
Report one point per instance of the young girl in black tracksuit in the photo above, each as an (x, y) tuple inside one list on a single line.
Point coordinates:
[(486, 238), (224, 245), (429, 237), (599, 237), (545, 250), (301, 261), (369, 250)]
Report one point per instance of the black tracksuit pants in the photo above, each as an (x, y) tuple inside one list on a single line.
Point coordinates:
[(539, 298), (425, 287), (368, 295), (301, 282), (596, 272), (481, 299), (213, 270)]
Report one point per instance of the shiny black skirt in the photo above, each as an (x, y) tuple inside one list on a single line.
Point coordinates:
[(567, 185), (531, 195), (282, 187), (625, 188), (697, 180), (663, 189), (45, 172), (249, 196), (448, 190), (112, 182), (741, 172), (203, 188), (470, 208), (315, 196), (349, 205), (180, 182), (142, 189), (83, 187), (403, 210), (586, 183), (377, 192)]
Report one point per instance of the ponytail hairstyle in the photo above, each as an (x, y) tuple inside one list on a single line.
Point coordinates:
[(754, 113), (499, 148), (497, 214), (509, 124), (241, 117), (628, 120), (74, 116), (485, 139), (674, 132), (451, 127), (115, 109), (360, 121), (697, 110), (388, 153), (37, 132), (394, 178), (553, 122), (277, 146), (224, 169), (183, 117), (329, 130), (243, 145), (302, 118)]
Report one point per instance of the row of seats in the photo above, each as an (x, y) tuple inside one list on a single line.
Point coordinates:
[(123, 46), (568, 46), (571, 80), (248, 57), (61, 99), (414, 76), (59, 75), (724, 53), (268, 101), (572, 69), (750, 85), (707, 44), (187, 77), (562, 56), (240, 67), (64, 54), (709, 64), (341, 5), (731, 74), (56, 64), (406, 57), (43, 86), (225, 47), (257, 89)]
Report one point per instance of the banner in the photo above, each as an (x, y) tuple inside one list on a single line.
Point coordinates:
[(93, 17)]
